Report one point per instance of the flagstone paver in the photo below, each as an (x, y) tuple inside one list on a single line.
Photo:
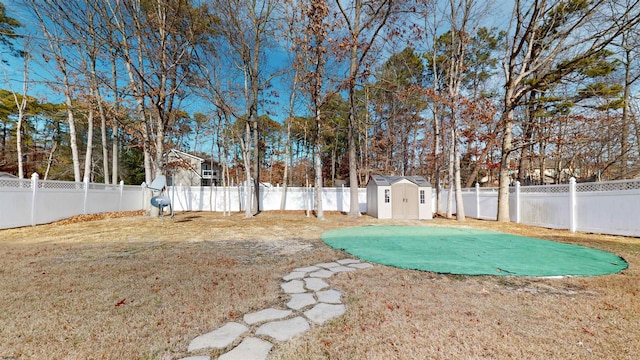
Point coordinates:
[(284, 329), (315, 284), (294, 275), (361, 266), (219, 338), (321, 274), (306, 287), (328, 265), (307, 269), (266, 315), (342, 269), (329, 296), (249, 349), (348, 261), (321, 313), (293, 287), (299, 301)]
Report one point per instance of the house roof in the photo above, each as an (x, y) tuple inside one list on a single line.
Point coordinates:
[(187, 156), (182, 154), (4, 174), (387, 180)]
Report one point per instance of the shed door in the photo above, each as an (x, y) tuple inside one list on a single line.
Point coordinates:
[(404, 201)]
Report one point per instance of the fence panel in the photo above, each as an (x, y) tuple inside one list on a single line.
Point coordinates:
[(604, 207), (610, 207), (15, 203), (102, 198), (197, 198), (469, 202), (31, 202), (545, 209), (132, 198), (488, 203), (57, 200)]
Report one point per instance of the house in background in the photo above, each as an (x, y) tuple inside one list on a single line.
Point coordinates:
[(190, 170), (554, 172), (399, 197), (6, 175)]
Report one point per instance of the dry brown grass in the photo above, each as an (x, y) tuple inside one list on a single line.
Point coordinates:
[(137, 288)]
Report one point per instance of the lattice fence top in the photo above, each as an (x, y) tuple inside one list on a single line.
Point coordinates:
[(609, 186), (15, 183), (548, 189), (61, 185), (489, 190), (108, 187)]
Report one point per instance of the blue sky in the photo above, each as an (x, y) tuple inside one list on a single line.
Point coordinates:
[(41, 72)]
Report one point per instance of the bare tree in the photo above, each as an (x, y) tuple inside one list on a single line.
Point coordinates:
[(246, 26), (312, 50), (21, 105), (46, 13), (571, 31), (293, 33), (364, 21)]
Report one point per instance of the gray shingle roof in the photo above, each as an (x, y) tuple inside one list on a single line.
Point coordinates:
[(387, 180)]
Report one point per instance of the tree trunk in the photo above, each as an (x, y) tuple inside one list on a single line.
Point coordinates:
[(19, 138), (354, 204), (89, 151), (318, 167), (115, 141), (248, 213), (285, 175), (73, 139), (624, 145), (287, 149), (451, 177), (456, 164), (21, 105), (480, 161), (504, 178)]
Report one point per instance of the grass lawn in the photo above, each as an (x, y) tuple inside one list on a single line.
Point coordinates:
[(107, 287)]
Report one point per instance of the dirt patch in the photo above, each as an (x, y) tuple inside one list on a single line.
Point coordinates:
[(137, 288), (99, 216)]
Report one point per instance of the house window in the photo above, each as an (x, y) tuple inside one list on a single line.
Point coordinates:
[(387, 195), (422, 199)]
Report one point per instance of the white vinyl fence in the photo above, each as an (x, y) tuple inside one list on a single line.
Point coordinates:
[(196, 198), (601, 207), (31, 202), (611, 207)]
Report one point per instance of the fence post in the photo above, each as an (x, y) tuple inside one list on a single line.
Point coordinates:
[(517, 202), (477, 200), (121, 193), (572, 205), (143, 188), (86, 195), (34, 192), (342, 201)]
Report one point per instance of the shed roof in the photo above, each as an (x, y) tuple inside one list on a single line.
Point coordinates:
[(387, 180)]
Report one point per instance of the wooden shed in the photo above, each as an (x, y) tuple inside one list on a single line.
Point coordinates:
[(399, 197)]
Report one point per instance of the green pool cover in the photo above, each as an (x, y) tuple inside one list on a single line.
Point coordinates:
[(471, 251)]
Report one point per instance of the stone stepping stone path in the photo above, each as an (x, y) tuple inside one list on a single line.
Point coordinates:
[(312, 302)]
